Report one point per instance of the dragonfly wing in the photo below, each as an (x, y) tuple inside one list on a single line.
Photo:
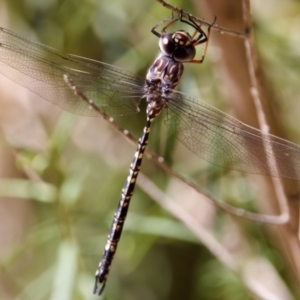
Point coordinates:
[(42, 69), (226, 142)]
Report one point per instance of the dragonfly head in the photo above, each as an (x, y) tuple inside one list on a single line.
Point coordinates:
[(178, 46)]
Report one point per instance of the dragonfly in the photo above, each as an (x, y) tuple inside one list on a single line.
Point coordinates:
[(88, 87)]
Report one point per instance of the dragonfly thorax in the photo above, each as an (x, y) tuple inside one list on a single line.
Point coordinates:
[(162, 77)]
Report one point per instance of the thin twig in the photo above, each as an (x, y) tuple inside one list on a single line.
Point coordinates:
[(159, 161), (215, 27), (253, 67), (191, 222)]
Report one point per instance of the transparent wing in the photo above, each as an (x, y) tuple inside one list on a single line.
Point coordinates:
[(226, 142), (41, 69)]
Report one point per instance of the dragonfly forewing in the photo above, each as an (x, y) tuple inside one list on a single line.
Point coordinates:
[(226, 142), (41, 69)]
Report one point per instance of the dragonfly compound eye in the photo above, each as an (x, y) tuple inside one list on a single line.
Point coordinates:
[(166, 44), (177, 46)]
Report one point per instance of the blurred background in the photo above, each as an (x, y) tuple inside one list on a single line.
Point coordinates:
[(61, 175)]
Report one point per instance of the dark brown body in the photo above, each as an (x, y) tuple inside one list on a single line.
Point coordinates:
[(162, 77)]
